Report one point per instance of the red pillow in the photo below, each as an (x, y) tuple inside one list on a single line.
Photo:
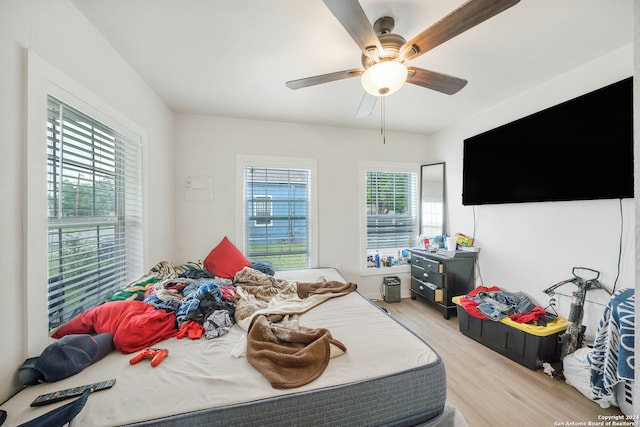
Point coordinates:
[(225, 260)]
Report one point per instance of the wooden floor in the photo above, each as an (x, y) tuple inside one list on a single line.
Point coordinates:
[(490, 389)]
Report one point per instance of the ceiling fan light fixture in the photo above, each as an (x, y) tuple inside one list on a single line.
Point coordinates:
[(384, 78)]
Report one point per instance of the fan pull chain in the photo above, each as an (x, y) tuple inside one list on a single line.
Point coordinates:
[(383, 124)]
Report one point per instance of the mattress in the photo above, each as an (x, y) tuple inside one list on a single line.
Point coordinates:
[(387, 376)]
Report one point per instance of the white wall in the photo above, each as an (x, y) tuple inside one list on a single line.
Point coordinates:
[(531, 246), (57, 33), (526, 247), (208, 146)]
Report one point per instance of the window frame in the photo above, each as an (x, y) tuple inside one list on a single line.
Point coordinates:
[(261, 161), (43, 80), (376, 166), (90, 244)]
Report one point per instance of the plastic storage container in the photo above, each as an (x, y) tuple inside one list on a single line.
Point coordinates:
[(529, 345)]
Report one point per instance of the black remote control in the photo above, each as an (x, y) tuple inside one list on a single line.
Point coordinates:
[(68, 393)]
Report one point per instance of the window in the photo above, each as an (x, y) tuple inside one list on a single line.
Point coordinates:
[(94, 211), (262, 210), (278, 212), (390, 220)]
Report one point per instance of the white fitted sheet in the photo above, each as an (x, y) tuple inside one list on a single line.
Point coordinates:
[(203, 374)]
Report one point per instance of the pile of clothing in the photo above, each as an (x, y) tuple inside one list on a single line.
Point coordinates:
[(495, 304), (203, 304)]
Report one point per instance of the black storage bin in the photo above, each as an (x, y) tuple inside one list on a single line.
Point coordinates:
[(526, 348)]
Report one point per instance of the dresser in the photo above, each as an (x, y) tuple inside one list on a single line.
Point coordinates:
[(437, 277)]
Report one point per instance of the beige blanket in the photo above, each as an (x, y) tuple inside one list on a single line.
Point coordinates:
[(286, 353)]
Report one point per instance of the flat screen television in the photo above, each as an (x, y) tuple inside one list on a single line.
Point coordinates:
[(581, 149)]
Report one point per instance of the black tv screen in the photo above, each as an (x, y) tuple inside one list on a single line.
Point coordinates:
[(581, 149)]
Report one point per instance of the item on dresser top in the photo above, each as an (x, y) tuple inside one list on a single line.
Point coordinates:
[(464, 240)]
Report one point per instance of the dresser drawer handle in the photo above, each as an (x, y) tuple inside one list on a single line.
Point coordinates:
[(425, 274), (431, 286)]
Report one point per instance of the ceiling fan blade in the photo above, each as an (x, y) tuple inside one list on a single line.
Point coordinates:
[(350, 14), (463, 18), (367, 104), (435, 81), (323, 78)]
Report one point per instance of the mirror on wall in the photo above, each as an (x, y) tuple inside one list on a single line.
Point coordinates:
[(432, 207)]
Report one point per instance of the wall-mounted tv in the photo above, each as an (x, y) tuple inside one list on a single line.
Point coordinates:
[(581, 149)]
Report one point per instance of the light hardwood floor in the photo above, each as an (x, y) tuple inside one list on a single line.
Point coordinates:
[(490, 389)]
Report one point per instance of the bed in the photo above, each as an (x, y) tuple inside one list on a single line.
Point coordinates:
[(387, 376)]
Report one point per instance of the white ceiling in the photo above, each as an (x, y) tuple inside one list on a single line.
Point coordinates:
[(232, 57)]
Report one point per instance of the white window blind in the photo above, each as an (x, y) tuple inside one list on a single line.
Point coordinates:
[(95, 211), (277, 216), (391, 210)]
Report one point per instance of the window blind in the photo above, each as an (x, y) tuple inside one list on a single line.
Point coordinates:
[(277, 217), (391, 208), (95, 211)]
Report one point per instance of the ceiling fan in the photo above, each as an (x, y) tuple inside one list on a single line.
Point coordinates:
[(384, 53)]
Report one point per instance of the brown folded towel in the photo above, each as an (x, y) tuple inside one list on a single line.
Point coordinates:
[(289, 355)]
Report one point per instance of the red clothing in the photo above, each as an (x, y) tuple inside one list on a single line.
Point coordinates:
[(134, 325), (534, 314), (471, 307), (190, 329)]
